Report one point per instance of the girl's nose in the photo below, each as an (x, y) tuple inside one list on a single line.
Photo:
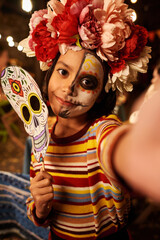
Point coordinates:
[(68, 87)]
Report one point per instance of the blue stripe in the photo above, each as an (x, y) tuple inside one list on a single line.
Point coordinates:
[(73, 197), (73, 154)]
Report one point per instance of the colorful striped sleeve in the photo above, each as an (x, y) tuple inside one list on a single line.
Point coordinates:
[(108, 134)]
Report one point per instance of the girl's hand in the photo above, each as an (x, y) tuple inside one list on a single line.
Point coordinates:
[(42, 192)]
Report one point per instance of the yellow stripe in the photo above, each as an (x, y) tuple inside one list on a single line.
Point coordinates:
[(31, 168), (85, 209), (73, 148), (65, 175), (109, 203), (76, 209), (114, 117), (89, 190)]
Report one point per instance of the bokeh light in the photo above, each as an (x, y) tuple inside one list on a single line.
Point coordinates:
[(27, 5), (134, 16)]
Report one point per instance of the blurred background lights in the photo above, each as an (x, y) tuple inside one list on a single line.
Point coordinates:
[(11, 44), (133, 1), (0, 36), (27, 5), (20, 48), (134, 16), (9, 39)]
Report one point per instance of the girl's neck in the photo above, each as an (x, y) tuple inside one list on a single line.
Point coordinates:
[(66, 127)]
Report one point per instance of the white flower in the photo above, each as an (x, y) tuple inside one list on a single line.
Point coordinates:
[(123, 80), (26, 49), (43, 66)]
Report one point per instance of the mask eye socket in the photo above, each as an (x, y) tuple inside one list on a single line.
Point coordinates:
[(26, 114), (35, 103)]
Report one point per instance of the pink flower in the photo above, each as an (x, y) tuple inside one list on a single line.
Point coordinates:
[(105, 25), (76, 7), (115, 20), (36, 18), (90, 30)]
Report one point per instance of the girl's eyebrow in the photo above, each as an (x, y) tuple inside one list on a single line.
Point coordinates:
[(64, 64)]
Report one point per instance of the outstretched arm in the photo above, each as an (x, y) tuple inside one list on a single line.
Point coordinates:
[(136, 156)]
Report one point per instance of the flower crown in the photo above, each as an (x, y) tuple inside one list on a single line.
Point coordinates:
[(105, 26)]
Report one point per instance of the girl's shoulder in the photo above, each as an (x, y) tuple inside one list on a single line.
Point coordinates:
[(112, 118)]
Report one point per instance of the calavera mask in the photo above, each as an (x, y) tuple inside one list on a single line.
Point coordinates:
[(25, 97)]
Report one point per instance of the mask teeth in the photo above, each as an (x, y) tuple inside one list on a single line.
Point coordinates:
[(40, 142)]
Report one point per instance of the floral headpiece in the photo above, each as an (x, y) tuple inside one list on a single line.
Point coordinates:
[(105, 26)]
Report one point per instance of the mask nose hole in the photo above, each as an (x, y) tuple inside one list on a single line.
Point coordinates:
[(36, 123)]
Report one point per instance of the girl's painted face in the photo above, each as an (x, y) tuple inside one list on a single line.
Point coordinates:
[(75, 84)]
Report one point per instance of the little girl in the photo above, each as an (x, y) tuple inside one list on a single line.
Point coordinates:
[(92, 162)]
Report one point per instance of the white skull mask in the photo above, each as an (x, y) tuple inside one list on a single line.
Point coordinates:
[(25, 97)]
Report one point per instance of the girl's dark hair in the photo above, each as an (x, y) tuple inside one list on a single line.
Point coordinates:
[(158, 66), (106, 101)]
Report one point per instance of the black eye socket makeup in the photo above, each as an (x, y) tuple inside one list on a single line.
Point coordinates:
[(88, 82)]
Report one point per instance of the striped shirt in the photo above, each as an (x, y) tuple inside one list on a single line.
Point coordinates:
[(87, 204)]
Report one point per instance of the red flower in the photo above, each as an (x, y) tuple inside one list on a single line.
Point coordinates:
[(133, 47), (46, 47), (16, 87), (69, 3), (67, 27), (116, 66), (135, 43)]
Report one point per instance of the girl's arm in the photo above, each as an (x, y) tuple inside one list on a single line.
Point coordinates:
[(136, 154)]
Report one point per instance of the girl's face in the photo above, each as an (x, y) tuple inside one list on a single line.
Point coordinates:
[(75, 84)]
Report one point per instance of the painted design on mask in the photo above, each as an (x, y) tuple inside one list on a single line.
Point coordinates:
[(86, 87), (25, 97)]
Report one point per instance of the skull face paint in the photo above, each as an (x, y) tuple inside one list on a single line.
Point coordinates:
[(75, 84), (25, 97)]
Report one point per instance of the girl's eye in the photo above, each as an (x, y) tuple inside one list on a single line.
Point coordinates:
[(88, 82), (63, 72)]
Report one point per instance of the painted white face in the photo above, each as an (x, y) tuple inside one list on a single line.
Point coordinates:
[(25, 97), (83, 80)]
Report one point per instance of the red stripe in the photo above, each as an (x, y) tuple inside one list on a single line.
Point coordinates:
[(106, 134)]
